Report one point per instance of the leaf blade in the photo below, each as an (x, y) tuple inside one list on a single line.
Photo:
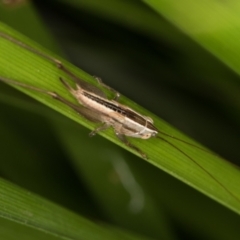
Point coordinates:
[(45, 75)]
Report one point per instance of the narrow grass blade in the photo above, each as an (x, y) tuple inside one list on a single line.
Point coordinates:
[(204, 171)]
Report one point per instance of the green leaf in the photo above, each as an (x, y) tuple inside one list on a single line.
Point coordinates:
[(204, 171), (42, 219), (212, 23)]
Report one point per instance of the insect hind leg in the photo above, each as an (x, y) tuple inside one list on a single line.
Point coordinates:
[(50, 93), (66, 85), (99, 129), (57, 62)]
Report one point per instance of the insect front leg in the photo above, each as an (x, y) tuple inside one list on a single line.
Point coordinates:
[(99, 129), (116, 94), (127, 143)]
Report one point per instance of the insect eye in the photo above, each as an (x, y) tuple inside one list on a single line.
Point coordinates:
[(154, 134), (146, 136)]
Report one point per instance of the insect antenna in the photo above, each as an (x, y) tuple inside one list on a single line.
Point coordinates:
[(7, 80), (188, 143), (207, 172), (21, 44)]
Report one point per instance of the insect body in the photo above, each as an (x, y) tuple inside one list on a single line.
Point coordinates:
[(124, 120), (96, 107)]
